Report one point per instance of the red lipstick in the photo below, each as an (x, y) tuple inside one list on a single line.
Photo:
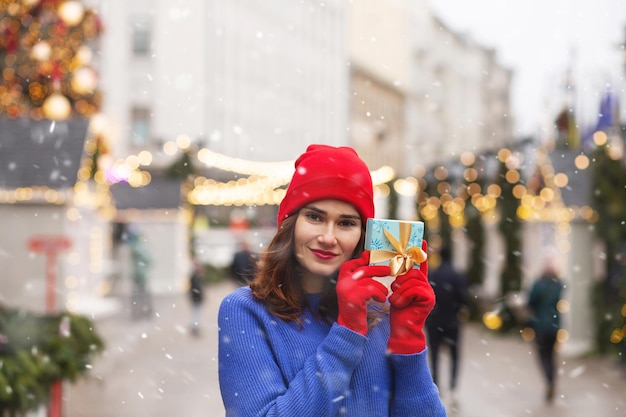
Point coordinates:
[(322, 254)]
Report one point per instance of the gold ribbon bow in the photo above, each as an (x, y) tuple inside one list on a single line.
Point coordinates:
[(402, 260)]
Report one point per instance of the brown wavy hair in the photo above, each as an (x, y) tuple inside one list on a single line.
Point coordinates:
[(278, 278)]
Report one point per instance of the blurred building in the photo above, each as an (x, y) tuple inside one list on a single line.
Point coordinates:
[(421, 93), (239, 78)]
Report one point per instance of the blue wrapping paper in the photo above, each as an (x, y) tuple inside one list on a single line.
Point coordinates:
[(381, 246)]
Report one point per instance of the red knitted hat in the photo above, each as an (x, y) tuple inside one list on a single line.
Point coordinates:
[(328, 172)]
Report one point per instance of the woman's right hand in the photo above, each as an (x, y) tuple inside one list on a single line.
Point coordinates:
[(355, 287)]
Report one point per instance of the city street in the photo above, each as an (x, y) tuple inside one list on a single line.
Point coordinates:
[(143, 142), (156, 368)]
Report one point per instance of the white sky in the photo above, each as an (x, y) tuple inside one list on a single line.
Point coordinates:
[(539, 40)]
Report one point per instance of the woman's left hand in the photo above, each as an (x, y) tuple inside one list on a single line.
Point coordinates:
[(411, 302), (355, 287)]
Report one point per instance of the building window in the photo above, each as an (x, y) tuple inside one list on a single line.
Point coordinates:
[(141, 36), (140, 123)]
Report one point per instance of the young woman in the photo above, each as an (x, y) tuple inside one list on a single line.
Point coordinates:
[(314, 334)]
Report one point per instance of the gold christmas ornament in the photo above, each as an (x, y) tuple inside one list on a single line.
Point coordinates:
[(84, 80), (41, 51), (71, 12), (83, 55), (57, 107)]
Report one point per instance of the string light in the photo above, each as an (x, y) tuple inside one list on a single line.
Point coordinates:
[(264, 185)]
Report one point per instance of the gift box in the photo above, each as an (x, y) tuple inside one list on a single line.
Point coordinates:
[(396, 243)]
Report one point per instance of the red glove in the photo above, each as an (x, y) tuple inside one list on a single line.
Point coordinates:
[(355, 287), (411, 302)]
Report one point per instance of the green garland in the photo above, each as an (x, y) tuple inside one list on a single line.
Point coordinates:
[(475, 233), (36, 351), (444, 230), (392, 201), (608, 197), (511, 228)]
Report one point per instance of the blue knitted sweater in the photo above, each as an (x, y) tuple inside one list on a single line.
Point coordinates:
[(269, 367)]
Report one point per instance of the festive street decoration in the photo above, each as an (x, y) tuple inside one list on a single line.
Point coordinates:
[(45, 54), (510, 226), (38, 350), (47, 78), (609, 178)]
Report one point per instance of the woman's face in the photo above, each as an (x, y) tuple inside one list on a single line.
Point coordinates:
[(326, 235)]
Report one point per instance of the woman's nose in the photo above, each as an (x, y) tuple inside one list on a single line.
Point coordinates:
[(327, 235)]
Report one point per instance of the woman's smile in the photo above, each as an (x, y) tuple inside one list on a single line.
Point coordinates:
[(322, 254)]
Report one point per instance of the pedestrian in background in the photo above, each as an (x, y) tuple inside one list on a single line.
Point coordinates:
[(196, 295), (545, 319), (444, 323), (313, 334), (243, 265), (141, 300)]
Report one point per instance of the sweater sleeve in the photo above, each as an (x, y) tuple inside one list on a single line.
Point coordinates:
[(415, 394), (251, 382)]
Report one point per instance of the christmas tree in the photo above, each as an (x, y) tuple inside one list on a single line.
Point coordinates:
[(45, 73), (46, 59)]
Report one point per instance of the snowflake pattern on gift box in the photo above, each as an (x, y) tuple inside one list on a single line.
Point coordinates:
[(376, 239), (416, 234), (376, 244)]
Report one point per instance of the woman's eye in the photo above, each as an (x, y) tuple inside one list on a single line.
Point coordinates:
[(313, 216), (347, 223)]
